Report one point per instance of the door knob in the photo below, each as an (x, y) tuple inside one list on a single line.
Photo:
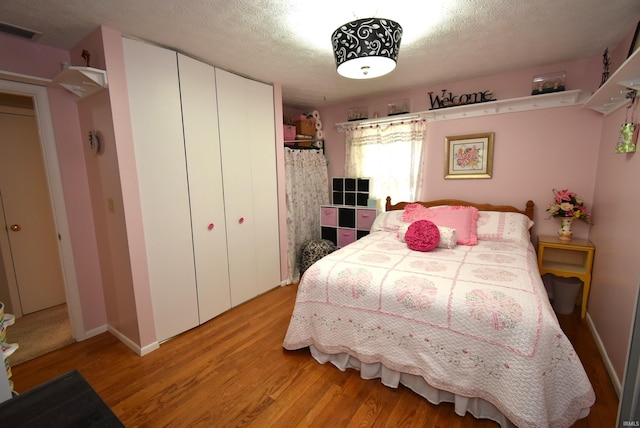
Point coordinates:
[(16, 227)]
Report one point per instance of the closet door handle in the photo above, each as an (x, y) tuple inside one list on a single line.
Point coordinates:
[(211, 226), (241, 220), (15, 227)]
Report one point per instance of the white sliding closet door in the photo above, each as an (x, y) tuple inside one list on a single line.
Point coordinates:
[(202, 144), (247, 138), (154, 99)]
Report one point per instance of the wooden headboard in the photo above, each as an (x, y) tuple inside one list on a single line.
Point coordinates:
[(528, 211)]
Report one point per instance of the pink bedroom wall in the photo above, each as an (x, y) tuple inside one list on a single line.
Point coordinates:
[(616, 207), (131, 307), (535, 151), (615, 234), (115, 269), (108, 249), (31, 59), (69, 143), (27, 58)]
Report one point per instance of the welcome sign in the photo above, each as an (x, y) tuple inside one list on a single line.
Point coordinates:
[(445, 99)]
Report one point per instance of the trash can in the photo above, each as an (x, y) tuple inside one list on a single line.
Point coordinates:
[(565, 293)]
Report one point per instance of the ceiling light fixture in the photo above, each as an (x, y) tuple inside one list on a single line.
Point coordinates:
[(366, 48)]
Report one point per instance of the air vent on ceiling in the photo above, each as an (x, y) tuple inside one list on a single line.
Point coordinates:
[(14, 30)]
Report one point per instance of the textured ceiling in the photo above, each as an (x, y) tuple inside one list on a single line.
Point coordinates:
[(288, 41)]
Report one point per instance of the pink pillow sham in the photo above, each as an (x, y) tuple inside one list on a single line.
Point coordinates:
[(462, 219)]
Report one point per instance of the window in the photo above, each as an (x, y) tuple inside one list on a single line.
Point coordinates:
[(391, 155)]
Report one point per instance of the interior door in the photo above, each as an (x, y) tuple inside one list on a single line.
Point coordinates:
[(31, 236)]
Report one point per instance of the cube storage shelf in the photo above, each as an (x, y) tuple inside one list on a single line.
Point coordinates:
[(343, 224), (350, 191)]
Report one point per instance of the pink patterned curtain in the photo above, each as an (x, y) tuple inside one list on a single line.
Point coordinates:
[(307, 187)]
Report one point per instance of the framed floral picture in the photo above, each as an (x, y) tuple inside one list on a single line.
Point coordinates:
[(469, 156)]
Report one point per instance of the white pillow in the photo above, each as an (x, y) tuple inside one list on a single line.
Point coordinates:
[(503, 226), (388, 220), (448, 237)]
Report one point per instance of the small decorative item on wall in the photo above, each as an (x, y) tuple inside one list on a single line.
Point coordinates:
[(628, 137), (400, 106), (358, 113), (445, 100), (606, 62), (635, 43), (550, 82), (469, 156), (94, 142)]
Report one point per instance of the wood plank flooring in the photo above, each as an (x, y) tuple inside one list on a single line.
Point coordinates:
[(233, 372)]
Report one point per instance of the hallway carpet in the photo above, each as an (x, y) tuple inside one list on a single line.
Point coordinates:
[(39, 333)]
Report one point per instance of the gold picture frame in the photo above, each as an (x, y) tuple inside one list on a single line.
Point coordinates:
[(469, 156)]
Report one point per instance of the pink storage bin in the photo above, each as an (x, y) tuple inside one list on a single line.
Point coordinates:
[(346, 237), (365, 218), (328, 216), (289, 132)]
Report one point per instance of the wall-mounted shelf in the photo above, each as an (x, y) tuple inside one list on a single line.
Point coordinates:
[(82, 81), (511, 105), (295, 144), (612, 95), (303, 141)]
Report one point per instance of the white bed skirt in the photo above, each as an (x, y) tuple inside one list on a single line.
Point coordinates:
[(478, 407)]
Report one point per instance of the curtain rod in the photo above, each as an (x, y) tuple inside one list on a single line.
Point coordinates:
[(341, 127)]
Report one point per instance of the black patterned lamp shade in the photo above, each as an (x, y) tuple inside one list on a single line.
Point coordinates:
[(366, 48)]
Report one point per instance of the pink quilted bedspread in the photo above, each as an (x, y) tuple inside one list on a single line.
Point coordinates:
[(473, 320)]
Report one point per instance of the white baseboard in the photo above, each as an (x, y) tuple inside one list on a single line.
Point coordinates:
[(132, 345), (95, 331), (149, 348), (605, 358)]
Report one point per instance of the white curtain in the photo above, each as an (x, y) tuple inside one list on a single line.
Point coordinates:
[(307, 187), (391, 155)]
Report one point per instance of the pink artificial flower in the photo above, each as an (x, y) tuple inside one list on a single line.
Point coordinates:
[(563, 195)]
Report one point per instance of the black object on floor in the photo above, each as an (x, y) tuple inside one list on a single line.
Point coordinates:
[(66, 401)]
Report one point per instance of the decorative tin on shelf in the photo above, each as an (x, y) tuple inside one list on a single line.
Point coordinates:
[(550, 82), (399, 106), (358, 113)]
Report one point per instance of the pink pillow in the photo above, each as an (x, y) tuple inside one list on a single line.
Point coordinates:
[(462, 219), (422, 235), (414, 212)]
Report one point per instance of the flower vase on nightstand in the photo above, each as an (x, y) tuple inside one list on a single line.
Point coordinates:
[(565, 231), (567, 206)]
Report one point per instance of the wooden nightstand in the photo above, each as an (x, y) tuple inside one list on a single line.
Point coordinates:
[(567, 259)]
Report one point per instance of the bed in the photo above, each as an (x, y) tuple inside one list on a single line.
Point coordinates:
[(468, 323)]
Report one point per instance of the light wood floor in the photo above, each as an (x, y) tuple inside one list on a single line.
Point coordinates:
[(233, 372)]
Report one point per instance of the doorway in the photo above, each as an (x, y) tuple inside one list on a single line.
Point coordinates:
[(38, 95), (28, 246)]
